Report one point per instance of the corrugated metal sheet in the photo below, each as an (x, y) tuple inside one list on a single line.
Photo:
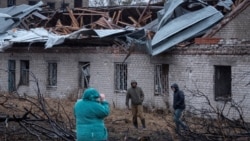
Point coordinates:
[(169, 8), (108, 32), (175, 24), (179, 24), (51, 39), (187, 20), (191, 32), (16, 13)]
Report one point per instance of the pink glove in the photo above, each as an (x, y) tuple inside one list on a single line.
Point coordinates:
[(102, 97)]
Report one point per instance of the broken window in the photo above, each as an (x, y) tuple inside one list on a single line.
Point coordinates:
[(52, 74), (84, 74), (51, 5), (11, 3), (78, 3), (64, 5), (222, 83), (161, 79), (24, 72), (120, 76), (12, 75), (32, 2)]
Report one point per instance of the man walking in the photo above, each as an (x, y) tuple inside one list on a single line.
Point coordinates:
[(179, 106), (137, 96)]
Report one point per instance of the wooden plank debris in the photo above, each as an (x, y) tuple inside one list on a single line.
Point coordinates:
[(103, 18), (73, 19)]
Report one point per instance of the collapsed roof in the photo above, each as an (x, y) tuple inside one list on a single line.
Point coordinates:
[(156, 27)]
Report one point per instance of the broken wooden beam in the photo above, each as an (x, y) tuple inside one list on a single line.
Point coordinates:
[(93, 12), (136, 24), (73, 19), (118, 17)]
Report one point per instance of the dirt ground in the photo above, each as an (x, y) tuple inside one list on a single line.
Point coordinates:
[(159, 126), (159, 123)]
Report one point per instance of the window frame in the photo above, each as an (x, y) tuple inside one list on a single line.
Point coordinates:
[(52, 5), (220, 84), (84, 74), (162, 84), (64, 6), (11, 3), (24, 72), (32, 2), (52, 74), (11, 75), (120, 77), (78, 3)]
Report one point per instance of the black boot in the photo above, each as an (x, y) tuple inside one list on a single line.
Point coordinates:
[(135, 122), (143, 123)]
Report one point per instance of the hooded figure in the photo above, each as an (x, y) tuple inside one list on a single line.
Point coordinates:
[(179, 106), (90, 112), (179, 98)]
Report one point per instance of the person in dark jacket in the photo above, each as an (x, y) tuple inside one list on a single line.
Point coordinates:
[(179, 106), (136, 95), (90, 112)]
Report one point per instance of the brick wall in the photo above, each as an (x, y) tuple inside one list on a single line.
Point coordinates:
[(3, 3), (101, 70), (196, 72), (190, 71), (237, 28)]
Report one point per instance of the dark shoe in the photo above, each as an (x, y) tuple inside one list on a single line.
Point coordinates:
[(186, 129), (135, 123), (143, 123), (177, 132)]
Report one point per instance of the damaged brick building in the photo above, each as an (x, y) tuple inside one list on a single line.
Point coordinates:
[(215, 64)]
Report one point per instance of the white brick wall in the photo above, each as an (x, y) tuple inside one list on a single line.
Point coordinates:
[(189, 71)]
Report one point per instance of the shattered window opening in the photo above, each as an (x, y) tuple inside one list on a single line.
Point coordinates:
[(84, 74), (161, 79), (77, 3), (222, 83), (11, 3), (64, 6), (121, 77), (12, 75), (51, 5), (52, 74), (24, 72), (32, 2)]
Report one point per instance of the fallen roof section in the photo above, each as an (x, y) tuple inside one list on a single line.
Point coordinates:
[(157, 28), (11, 17), (50, 39), (174, 28), (78, 24)]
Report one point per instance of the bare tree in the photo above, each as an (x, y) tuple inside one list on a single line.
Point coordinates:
[(213, 122), (35, 119)]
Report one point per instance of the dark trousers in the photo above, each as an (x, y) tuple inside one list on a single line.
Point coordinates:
[(177, 120)]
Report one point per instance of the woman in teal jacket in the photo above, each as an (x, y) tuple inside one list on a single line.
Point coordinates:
[(90, 112)]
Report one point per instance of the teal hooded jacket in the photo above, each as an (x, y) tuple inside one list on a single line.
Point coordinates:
[(90, 114)]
